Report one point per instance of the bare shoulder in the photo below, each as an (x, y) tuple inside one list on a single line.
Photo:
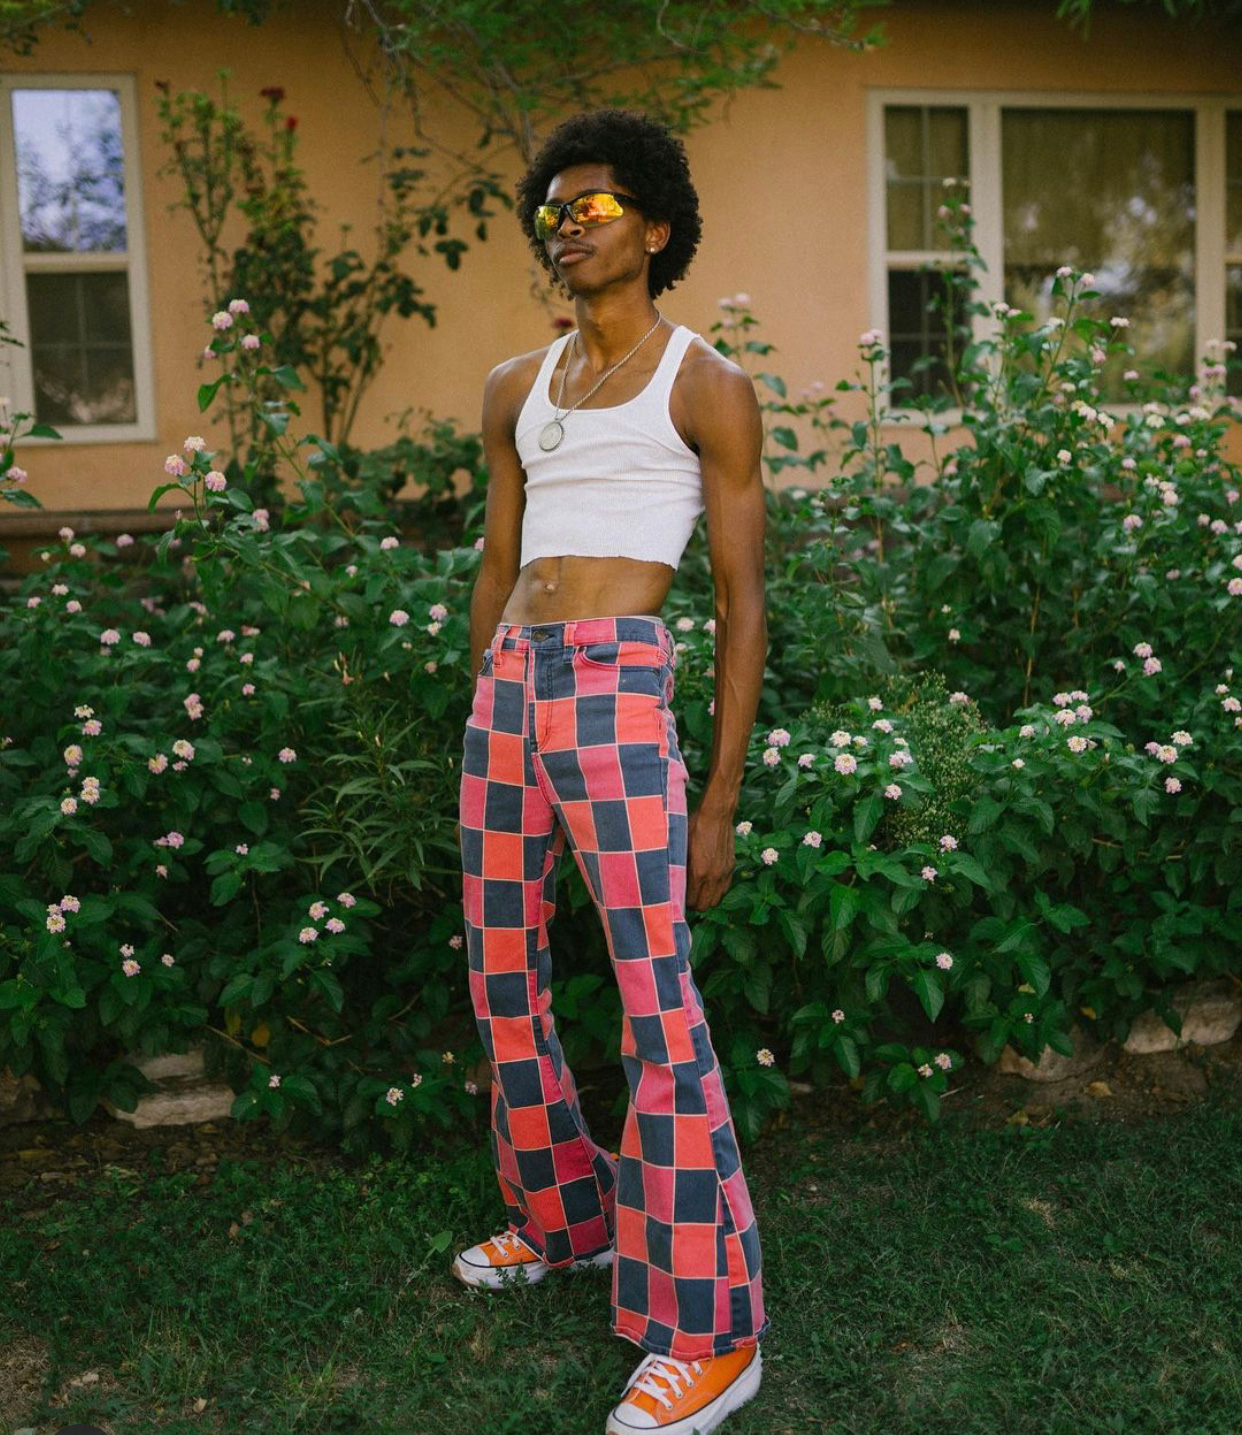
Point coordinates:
[(713, 403), (707, 377), (508, 384)]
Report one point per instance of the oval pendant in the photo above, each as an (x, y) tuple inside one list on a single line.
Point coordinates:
[(551, 434)]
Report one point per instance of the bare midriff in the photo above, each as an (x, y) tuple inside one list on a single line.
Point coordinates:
[(550, 590)]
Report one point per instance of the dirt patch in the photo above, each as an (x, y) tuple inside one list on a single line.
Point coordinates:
[(41, 1161), (1119, 1087), (24, 1364)]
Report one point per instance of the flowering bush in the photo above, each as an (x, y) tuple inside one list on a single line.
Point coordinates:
[(1048, 832), (221, 734), (996, 768)]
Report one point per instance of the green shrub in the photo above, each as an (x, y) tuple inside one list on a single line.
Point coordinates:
[(997, 762)]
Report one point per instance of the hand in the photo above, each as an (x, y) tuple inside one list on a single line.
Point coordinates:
[(710, 858)]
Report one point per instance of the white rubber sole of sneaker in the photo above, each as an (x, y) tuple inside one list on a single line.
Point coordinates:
[(706, 1419), (502, 1277)]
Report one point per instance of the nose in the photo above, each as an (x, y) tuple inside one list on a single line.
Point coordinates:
[(568, 219)]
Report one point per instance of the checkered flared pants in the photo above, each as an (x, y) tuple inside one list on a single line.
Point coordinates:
[(571, 735)]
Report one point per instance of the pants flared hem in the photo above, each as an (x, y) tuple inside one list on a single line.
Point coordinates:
[(660, 1348)]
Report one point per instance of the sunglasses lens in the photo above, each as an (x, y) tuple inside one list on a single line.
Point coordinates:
[(586, 209), (596, 209)]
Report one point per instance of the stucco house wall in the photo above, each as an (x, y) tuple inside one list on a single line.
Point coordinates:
[(792, 183)]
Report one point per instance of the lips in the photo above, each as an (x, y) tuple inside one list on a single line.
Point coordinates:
[(567, 254)]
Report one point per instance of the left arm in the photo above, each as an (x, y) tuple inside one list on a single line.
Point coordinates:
[(722, 414)]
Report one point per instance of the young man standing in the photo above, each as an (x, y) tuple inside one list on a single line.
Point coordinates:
[(602, 450)]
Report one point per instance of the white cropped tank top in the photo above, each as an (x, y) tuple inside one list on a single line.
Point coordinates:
[(621, 483)]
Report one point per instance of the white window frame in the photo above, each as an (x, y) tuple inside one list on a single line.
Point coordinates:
[(15, 364), (983, 129)]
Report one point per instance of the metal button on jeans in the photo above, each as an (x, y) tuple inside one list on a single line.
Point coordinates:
[(539, 634)]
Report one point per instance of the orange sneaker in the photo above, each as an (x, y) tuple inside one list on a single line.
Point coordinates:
[(496, 1262), (678, 1397)]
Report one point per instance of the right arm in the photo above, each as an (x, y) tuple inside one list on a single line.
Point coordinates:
[(503, 395)]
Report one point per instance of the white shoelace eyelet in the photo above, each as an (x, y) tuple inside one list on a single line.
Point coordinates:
[(517, 1244), (664, 1367)]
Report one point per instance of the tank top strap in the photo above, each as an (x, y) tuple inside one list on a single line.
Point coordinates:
[(661, 384), (539, 392)]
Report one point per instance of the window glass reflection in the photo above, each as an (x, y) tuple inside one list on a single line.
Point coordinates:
[(70, 170)]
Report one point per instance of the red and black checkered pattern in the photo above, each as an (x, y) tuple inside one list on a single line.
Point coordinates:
[(571, 735)]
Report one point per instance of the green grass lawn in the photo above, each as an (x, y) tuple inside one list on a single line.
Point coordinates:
[(1077, 1277)]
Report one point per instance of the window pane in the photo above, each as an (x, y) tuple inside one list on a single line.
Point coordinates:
[(903, 141), (1233, 182), (917, 332), (905, 216), (80, 348), (923, 145), (70, 170), (1111, 192), (946, 143)]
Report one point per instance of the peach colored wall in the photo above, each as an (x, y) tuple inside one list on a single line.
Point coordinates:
[(781, 175)]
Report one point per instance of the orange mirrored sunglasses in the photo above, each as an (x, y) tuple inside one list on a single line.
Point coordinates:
[(598, 207)]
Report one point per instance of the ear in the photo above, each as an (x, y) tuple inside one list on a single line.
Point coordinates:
[(657, 235)]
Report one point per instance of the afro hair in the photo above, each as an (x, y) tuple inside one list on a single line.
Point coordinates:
[(649, 162)]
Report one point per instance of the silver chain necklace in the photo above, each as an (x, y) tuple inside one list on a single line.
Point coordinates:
[(554, 430)]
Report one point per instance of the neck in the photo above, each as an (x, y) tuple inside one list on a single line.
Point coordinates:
[(609, 325)]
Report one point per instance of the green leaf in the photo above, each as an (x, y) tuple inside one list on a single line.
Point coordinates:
[(775, 383), (237, 989), (1035, 970), (929, 991), (207, 393), (758, 988), (96, 844), (247, 1104), (963, 864), (303, 611), (739, 942), (327, 983), (253, 816), (986, 812), (794, 929), (876, 982), (269, 857), (982, 535), (927, 1099), (287, 375), (866, 815), (843, 904), (1066, 917), (225, 887), (328, 450), (162, 490), (134, 904), (304, 1090), (1145, 802), (18, 994), (1014, 837)]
